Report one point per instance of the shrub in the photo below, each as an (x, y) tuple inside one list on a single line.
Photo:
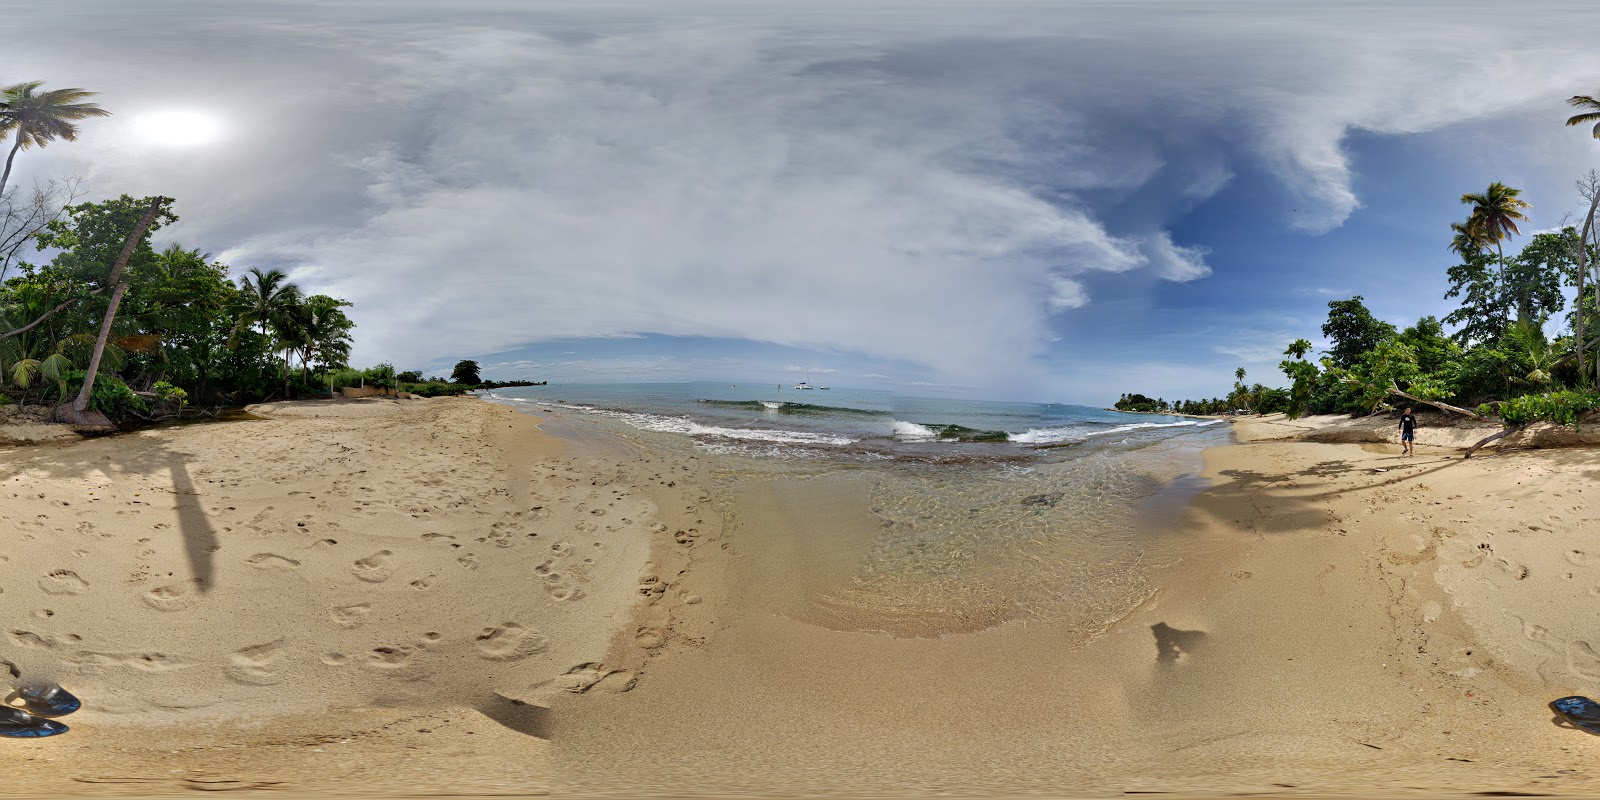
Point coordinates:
[(110, 395), (1560, 407)]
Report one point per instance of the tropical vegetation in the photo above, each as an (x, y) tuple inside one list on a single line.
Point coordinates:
[(100, 326), (1518, 347)]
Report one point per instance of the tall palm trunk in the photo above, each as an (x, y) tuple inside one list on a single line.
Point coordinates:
[(1583, 269), (81, 405), (1505, 296), (9, 158)]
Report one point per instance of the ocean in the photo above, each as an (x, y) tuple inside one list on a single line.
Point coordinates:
[(934, 517), (781, 420)]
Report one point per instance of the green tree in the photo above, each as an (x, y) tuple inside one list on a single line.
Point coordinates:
[(97, 243), (38, 118), (1481, 318), (1434, 350), (1298, 348), (466, 371), (1535, 276), (1353, 331)]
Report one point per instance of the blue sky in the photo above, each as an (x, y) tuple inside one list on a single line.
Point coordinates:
[(1043, 201)]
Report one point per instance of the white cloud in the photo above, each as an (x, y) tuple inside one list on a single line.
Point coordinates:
[(1066, 293), (1175, 262), (917, 187)]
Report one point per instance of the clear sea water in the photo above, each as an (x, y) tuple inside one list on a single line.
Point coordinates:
[(953, 515), (784, 420)]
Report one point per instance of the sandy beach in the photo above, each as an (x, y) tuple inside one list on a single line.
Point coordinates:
[(446, 596)]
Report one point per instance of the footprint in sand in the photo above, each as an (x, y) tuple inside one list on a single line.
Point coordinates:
[(469, 561), (172, 597), (424, 583), (509, 642), (271, 561), (252, 665), (1583, 661), (63, 581), (351, 616), (34, 640), (397, 661), (375, 568), (90, 662)]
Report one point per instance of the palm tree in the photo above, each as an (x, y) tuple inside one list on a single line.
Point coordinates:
[(268, 299), (41, 118), (324, 331), (1495, 214), (1298, 349), (1238, 374), (1592, 115), (1463, 241)]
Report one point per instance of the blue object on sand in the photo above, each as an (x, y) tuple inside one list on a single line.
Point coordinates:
[(48, 700), (19, 724), (1582, 711)]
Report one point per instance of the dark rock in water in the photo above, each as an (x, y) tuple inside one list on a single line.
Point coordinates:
[(1049, 499)]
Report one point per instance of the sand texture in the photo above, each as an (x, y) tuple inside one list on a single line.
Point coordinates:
[(301, 573), (435, 597), (1328, 619)]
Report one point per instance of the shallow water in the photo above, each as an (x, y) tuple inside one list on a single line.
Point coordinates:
[(936, 538)]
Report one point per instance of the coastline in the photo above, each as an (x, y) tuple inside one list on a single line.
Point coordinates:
[(1324, 617)]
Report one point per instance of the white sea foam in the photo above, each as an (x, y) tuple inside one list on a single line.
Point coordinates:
[(684, 425), (1078, 433), (911, 430), (771, 405)]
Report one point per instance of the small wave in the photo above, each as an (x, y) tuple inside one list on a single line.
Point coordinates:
[(796, 408), (1078, 433), (684, 425), (911, 430)]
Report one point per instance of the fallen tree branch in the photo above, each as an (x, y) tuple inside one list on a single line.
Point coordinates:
[(1487, 439), (48, 314), (1395, 390)]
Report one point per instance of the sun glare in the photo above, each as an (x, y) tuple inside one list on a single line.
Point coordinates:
[(178, 128)]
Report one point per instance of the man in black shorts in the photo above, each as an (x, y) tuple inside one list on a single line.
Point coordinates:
[(1408, 432)]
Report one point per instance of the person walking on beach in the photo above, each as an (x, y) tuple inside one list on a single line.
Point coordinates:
[(1408, 433)]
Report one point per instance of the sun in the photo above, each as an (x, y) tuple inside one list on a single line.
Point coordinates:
[(178, 128)]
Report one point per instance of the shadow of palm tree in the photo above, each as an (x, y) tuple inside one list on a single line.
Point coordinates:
[(114, 458)]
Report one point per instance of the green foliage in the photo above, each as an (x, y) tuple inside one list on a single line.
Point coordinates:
[(169, 393), (1562, 407), (409, 376), (381, 376), (91, 236), (183, 322), (1137, 402), (110, 396), (466, 371), (434, 388), (1353, 331), (1303, 378)]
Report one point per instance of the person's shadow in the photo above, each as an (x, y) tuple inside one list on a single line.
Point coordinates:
[(1172, 643)]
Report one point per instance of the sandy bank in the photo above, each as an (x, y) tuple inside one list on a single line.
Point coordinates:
[(339, 595)]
